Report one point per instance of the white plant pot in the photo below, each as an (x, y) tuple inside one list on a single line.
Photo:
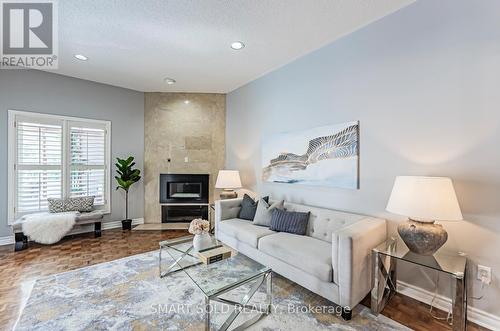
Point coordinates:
[(201, 241)]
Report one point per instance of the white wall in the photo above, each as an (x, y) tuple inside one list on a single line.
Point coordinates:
[(424, 84), (49, 93)]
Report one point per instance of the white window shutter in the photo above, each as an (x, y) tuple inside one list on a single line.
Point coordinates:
[(35, 186), (88, 162), (53, 156), (38, 165)]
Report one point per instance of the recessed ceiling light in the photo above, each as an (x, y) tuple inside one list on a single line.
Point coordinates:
[(186, 102), (169, 81), (81, 57), (237, 45)]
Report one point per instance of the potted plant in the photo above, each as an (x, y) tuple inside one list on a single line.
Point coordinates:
[(127, 177)]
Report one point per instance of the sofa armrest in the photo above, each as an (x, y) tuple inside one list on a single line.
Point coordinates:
[(351, 258), (226, 209)]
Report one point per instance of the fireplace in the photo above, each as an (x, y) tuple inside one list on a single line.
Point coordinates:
[(183, 213), (183, 197), (182, 188)]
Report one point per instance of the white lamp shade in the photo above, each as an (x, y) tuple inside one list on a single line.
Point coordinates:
[(228, 179), (424, 199)]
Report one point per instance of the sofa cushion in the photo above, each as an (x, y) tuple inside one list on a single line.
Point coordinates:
[(244, 231), (309, 254), (264, 212), (323, 222), (289, 221), (249, 207)]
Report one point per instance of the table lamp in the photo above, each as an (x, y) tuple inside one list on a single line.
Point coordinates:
[(424, 200), (228, 180)]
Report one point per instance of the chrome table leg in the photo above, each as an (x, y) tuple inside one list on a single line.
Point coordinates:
[(460, 303)]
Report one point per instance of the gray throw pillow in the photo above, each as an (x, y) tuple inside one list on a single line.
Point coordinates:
[(82, 204), (56, 205), (289, 221), (264, 212), (249, 207)]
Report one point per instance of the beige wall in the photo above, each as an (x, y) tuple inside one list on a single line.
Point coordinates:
[(176, 126)]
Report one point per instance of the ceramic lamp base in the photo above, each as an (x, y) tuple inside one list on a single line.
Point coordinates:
[(422, 237), (228, 194)]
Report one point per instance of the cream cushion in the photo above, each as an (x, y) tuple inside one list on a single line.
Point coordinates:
[(323, 222), (264, 212), (309, 254), (244, 231), (81, 219)]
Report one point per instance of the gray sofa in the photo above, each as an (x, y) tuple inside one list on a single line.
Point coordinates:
[(333, 259)]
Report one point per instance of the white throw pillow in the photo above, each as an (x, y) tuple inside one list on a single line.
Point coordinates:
[(264, 212)]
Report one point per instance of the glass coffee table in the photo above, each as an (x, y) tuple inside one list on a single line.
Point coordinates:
[(218, 278), (384, 276)]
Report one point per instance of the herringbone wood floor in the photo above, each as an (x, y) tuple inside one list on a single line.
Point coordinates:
[(83, 250)]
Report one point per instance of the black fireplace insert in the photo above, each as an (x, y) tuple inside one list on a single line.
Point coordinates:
[(183, 213), (183, 188)]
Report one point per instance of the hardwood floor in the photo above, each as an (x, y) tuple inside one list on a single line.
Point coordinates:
[(83, 250), (71, 253), (415, 314)]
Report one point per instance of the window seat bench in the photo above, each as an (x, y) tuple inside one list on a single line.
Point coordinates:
[(94, 217)]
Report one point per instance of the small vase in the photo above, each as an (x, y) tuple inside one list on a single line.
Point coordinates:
[(201, 241)]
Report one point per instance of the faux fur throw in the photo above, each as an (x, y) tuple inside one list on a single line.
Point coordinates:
[(48, 228)]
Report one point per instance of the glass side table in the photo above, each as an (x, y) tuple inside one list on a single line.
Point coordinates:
[(384, 275)]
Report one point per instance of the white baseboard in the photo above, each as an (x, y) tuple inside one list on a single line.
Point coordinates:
[(442, 302), (104, 226), (9, 240), (118, 224)]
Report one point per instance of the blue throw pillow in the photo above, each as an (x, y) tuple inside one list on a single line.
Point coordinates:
[(289, 221), (249, 207)]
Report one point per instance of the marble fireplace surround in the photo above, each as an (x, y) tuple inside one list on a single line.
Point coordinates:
[(183, 133)]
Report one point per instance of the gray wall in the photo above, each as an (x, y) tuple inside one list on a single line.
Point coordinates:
[(49, 93), (424, 83)]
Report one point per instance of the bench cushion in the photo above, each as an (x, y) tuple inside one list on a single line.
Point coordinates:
[(308, 254), (244, 231), (81, 218), (93, 215)]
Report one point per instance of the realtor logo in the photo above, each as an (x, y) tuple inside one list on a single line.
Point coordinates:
[(29, 35)]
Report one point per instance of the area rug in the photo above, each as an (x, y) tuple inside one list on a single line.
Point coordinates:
[(127, 294)]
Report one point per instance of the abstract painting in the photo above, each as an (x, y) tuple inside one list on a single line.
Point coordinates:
[(323, 156)]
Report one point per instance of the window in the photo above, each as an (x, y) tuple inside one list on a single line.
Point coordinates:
[(52, 157), (39, 164), (87, 161)]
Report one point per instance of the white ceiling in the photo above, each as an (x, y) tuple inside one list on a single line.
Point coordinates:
[(136, 44)]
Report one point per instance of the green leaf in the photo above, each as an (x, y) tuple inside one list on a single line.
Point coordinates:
[(127, 175)]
